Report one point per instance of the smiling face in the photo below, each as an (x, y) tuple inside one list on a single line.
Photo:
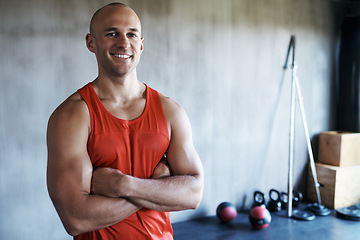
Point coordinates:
[(115, 38)]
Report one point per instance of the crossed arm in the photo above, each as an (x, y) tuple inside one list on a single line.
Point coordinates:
[(88, 200)]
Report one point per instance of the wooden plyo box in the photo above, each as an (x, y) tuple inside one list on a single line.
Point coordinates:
[(339, 186), (339, 148)]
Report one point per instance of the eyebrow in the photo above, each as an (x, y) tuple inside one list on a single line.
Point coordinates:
[(110, 29)]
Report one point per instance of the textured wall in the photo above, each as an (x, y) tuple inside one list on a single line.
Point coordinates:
[(221, 60)]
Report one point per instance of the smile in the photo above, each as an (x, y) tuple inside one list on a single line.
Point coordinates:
[(121, 56)]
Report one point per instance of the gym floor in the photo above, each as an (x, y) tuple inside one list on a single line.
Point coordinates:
[(281, 227)]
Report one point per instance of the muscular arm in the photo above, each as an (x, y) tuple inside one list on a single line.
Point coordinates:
[(69, 173), (182, 190)]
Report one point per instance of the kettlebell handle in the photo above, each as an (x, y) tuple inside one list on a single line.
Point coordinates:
[(259, 198), (275, 192)]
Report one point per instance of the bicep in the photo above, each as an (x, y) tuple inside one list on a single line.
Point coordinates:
[(181, 154), (69, 169)]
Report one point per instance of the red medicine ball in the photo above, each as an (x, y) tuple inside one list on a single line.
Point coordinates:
[(260, 217), (226, 212)]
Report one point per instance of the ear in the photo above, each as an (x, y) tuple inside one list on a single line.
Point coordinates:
[(90, 43), (142, 45)]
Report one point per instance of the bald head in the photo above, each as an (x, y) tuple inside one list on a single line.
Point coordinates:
[(102, 11)]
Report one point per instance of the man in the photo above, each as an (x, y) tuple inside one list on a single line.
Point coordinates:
[(120, 155)]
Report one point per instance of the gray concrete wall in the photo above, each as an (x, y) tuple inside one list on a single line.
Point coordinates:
[(221, 60)]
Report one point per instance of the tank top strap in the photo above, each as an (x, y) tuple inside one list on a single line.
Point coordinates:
[(98, 116), (155, 107), (90, 97), (85, 92)]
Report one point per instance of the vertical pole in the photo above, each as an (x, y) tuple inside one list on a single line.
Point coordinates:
[(291, 149), (292, 131)]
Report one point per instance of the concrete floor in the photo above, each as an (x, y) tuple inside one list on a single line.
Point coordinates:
[(281, 227)]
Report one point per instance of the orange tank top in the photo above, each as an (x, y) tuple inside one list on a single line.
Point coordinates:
[(134, 147)]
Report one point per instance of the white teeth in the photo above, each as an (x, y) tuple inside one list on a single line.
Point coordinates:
[(121, 56)]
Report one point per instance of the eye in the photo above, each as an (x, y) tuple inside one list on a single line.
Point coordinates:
[(111, 34), (132, 35)]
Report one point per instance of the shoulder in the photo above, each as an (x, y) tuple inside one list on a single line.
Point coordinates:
[(73, 112), (74, 105), (176, 117), (172, 109)]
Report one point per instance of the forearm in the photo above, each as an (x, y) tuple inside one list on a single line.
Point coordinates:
[(92, 212), (172, 193)]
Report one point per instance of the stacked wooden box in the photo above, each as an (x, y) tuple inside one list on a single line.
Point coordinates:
[(338, 170)]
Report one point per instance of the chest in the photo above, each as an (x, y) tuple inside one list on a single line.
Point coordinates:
[(131, 137), (128, 110), (133, 151)]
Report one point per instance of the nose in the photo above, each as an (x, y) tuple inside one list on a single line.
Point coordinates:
[(122, 41)]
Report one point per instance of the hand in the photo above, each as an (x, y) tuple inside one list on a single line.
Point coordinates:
[(162, 169), (105, 182)]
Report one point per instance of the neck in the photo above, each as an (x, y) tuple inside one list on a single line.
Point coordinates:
[(120, 88)]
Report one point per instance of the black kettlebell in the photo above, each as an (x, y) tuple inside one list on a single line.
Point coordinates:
[(274, 204), (259, 199), (297, 198), (284, 199)]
